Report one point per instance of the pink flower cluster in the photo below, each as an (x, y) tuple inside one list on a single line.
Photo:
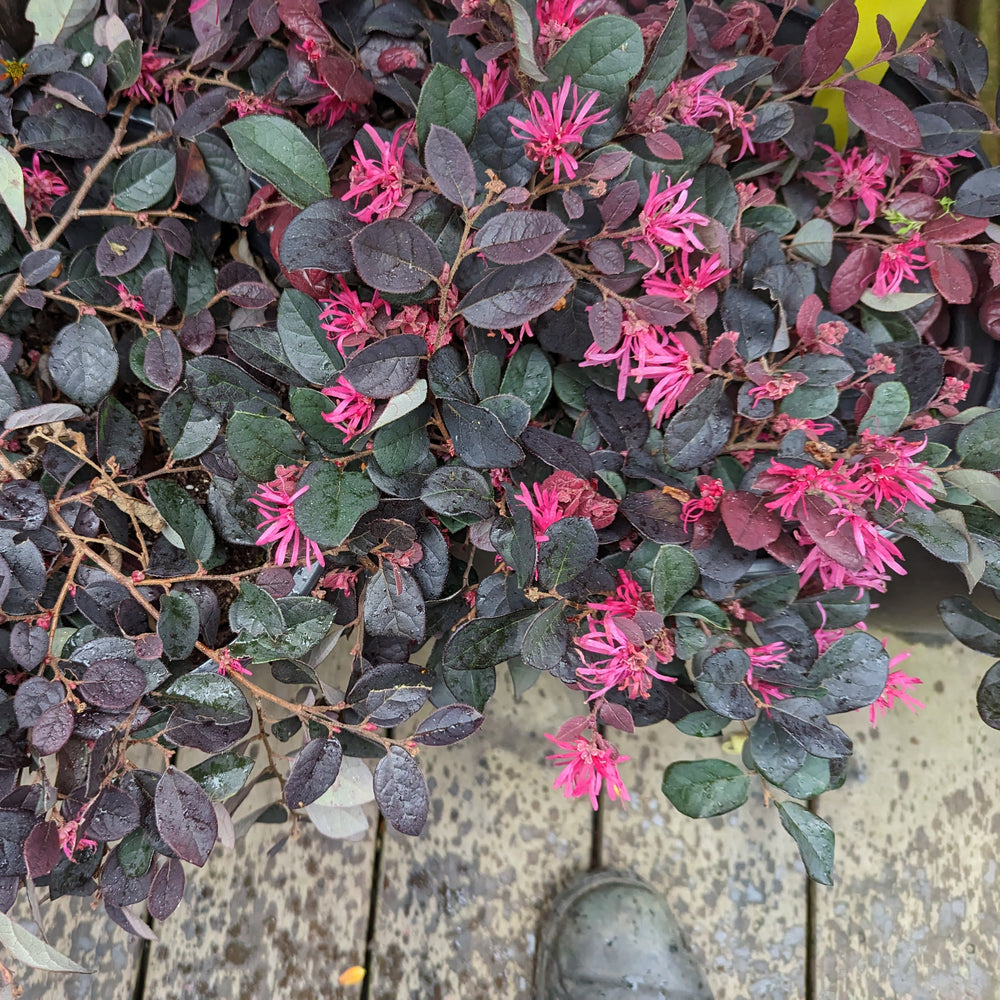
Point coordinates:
[(379, 178), (348, 320), (564, 495), (626, 650), (276, 502), (41, 187), (589, 762), (354, 410)]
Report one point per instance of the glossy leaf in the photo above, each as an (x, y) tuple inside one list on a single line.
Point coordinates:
[(314, 770), (814, 837), (185, 817), (394, 255), (706, 787), (401, 792), (446, 99)]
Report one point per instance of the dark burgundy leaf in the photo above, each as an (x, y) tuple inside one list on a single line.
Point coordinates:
[(39, 265), (276, 580), (853, 277), (77, 87), (265, 22), (34, 697), (517, 237), (197, 332), (166, 890), (751, 524), (880, 114), (620, 202), (67, 131), (344, 78), (401, 792), (558, 451), (388, 367), (510, 296), (124, 917), (175, 237), (148, 646), (572, 203), (303, 18), (656, 516), (950, 274), (314, 771), (185, 816), (192, 182), (827, 531), (28, 644), (320, 237), (391, 708), (24, 501), (119, 889), (113, 815), (203, 112), (55, 726), (394, 255), (968, 56), (979, 195), (616, 715), (163, 362), (112, 683), (828, 41), (122, 248), (158, 292), (42, 851), (450, 166), (623, 423), (250, 294), (479, 437), (33, 298), (606, 256), (448, 725), (663, 147), (605, 319)]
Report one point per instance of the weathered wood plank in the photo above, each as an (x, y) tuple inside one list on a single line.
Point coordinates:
[(734, 882), (459, 907), (88, 937), (914, 912)]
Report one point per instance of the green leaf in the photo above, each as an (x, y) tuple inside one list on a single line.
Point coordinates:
[(814, 838), (328, 511), (177, 625), (603, 55), (125, 64), (144, 178), (12, 186), (26, 948), (222, 775), (274, 148), (978, 443), (259, 444), (939, 537), (83, 361), (454, 489), (524, 37), (570, 549), (187, 426), (890, 406), (305, 343), (308, 407), (484, 642), (814, 241), (529, 377), (186, 518), (668, 55), (446, 99), (675, 572), (984, 486), (307, 621), (701, 788)]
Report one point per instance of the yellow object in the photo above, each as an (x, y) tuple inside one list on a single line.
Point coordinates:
[(901, 14), (351, 976), (733, 743)]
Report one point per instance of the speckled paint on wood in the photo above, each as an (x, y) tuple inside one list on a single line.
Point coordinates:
[(914, 913), (460, 906), (253, 927), (88, 937), (734, 882)]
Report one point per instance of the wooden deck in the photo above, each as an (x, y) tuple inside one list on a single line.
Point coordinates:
[(456, 912)]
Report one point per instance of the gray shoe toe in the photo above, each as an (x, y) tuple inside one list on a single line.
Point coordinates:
[(610, 937)]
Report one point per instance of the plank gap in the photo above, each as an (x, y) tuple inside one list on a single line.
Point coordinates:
[(810, 963), (139, 990), (373, 894)]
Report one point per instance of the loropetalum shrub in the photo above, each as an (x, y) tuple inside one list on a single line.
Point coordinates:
[(564, 338)]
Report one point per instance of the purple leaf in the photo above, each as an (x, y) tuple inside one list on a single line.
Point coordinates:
[(450, 166), (750, 523), (122, 248), (158, 292), (166, 890), (605, 320), (448, 725), (250, 294), (163, 362), (394, 255), (401, 792), (34, 697), (517, 237), (53, 729), (828, 41), (510, 296), (877, 112), (314, 771), (185, 817), (112, 683)]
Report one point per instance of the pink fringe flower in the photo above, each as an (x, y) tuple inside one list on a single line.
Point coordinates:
[(68, 834), (543, 507), (671, 368), (640, 340), (886, 471), (629, 598), (557, 20), (691, 101), (328, 110), (353, 412), (680, 284), (588, 762), (550, 130), (898, 263), (666, 221), (625, 660), (41, 187), (380, 178), (276, 502), (851, 178), (712, 492), (896, 689), (347, 319), (491, 89), (774, 654), (147, 87)]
